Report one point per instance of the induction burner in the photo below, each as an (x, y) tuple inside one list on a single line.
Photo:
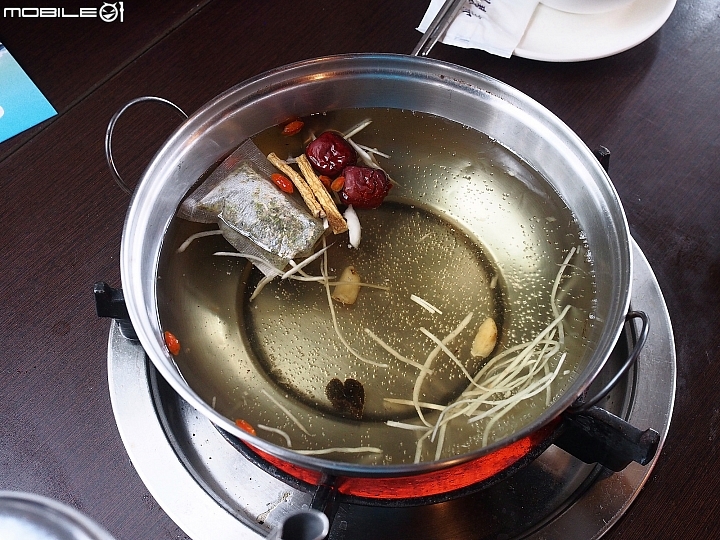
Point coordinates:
[(213, 492)]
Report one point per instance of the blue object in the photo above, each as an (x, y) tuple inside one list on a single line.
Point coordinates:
[(22, 105)]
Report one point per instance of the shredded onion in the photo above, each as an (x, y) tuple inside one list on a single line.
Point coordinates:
[(441, 440), (418, 382), (553, 294), (336, 326), (318, 279), (529, 393), (287, 412), (357, 128), (403, 425), (392, 351), (449, 353), (260, 286), (507, 379), (364, 156), (358, 450), (296, 268), (280, 432), (374, 151), (419, 447), (409, 402), (359, 284), (194, 237), (295, 265), (425, 304), (353, 223)]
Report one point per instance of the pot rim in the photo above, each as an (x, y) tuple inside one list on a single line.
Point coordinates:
[(208, 130)]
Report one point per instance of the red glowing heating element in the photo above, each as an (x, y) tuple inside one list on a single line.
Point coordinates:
[(425, 484)]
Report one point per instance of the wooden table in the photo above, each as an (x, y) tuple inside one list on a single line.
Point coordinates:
[(656, 107)]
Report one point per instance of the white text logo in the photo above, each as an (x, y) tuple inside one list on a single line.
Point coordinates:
[(106, 13)]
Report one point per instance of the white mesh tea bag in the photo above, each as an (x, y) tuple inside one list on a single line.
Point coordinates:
[(258, 219)]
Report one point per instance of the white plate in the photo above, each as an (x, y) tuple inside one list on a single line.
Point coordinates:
[(557, 36)]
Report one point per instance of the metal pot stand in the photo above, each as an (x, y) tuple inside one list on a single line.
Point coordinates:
[(212, 491)]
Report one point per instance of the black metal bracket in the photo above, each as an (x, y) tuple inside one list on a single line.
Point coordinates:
[(598, 436), (603, 156), (110, 302), (583, 403), (325, 498), (594, 435)]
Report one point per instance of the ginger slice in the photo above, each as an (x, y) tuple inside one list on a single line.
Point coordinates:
[(348, 287), (300, 183), (485, 339), (335, 218)]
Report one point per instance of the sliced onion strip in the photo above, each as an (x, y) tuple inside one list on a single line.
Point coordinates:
[(410, 403), (194, 237), (403, 425), (357, 128), (425, 304), (280, 432), (336, 326), (428, 362), (353, 223), (358, 450), (393, 352), (287, 412), (295, 269)]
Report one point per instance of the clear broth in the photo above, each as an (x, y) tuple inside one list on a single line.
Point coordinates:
[(468, 227)]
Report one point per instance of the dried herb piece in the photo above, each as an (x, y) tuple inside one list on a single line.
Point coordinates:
[(347, 398)]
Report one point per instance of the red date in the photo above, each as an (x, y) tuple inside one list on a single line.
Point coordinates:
[(364, 187), (330, 153)]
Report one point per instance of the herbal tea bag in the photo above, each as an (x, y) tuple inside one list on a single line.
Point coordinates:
[(257, 218)]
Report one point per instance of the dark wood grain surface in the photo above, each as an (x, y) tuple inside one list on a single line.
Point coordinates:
[(656, 107)]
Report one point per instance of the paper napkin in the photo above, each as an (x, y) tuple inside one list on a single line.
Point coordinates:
[(495, 26)]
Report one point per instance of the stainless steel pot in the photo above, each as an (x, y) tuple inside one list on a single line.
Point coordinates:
[(389, 81)]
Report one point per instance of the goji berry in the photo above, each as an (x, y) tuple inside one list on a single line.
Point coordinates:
[(245, 426), (283, 182), (338, 183), (292, 128), (172, 343)]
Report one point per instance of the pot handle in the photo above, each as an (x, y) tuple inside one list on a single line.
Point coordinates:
[(111, 126), (110, 303), (595, 435), (581, 404), (598, 436)]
